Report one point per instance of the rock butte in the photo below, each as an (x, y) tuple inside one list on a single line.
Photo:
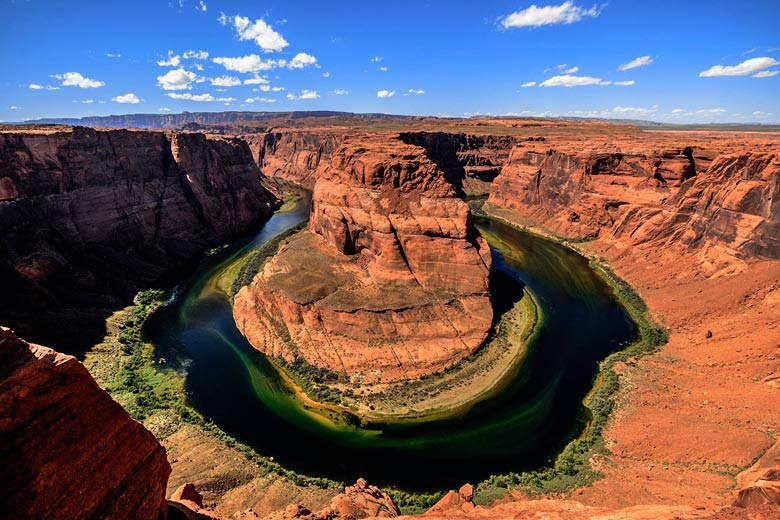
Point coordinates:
[(689, 218), (391, 280)]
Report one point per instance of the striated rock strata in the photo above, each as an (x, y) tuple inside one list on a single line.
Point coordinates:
[(67, 450), (390, 281), (721, 201), (88, 217)]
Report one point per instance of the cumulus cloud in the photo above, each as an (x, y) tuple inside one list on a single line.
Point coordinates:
[(74, 79), (536, 16), (199, 97), (340, 92), (257, 80), (176, 79), (302, 60), (164, 109), (563, 69), (528, 84), (625, 83), (112, 55), (249, 63), (35, 86), (14, 107), (678, 111), (305, 94), (202, 6), (174, 60), (127, 98), (746, 68), (326, 74), (385, 93), (225, 81), (267, 88), (261, 99), (636, 62), (417, 92), (383, 69), (567, 80), (88, 101), (766, 73), (195, 55), (260, 32), (377, 59)]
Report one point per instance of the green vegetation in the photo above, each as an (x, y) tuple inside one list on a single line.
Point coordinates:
[(125, 366), (256, 259)]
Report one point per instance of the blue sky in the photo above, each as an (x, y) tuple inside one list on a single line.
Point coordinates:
[(682, 61)]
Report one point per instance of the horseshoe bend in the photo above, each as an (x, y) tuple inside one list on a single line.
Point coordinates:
[(568, 311)]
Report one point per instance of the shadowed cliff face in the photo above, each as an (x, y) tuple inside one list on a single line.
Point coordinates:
[(67, 449), (391, 281), (89, 217), (717, 201)]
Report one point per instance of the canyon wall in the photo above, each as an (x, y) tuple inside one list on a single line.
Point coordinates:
[(390, 281), (67, 449), (88, 217), (717, 201)]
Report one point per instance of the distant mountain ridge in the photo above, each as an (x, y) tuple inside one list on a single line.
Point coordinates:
[(161, 121)]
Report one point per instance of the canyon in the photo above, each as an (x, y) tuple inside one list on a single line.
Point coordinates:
[(90, 217), (690, 219)]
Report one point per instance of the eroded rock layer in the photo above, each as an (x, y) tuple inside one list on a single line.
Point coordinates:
[(390, 281), (87, 217), (721, 201), (67, 450)]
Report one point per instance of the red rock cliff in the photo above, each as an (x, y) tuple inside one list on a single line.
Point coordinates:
[(88, 217), (391, 282), (67, 450)]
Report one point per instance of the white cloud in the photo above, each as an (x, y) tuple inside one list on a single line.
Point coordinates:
[(417, 92), (625, 83), (385, 93), (528, 84), (563, 69), (199, 97), (383, 69), (572, 81), (74, 79), (267, 88), (14, 107), (202, 6), (377, 59), (302, 60), (766, 74), (257, 80), (112, 55), (326, 74), (745, 68), (174, 60), (127, 98), (305, 94), (262, 34), (88, 101), (225, 81), (164, 109), (222, 19), (262, 99), (678, 111), (35, 86), (535, 16), (176, 79), (636, 62), (710, 111), (250, 63), (340, 92), (759, 113), (195, 55)]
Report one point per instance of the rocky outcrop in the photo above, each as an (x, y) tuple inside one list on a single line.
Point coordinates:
[(721, 203), (67, 450), (88, 217), (294, 155), (391, 281)]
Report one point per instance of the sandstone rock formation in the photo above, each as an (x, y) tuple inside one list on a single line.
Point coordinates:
[(67, 450), (88, 217), (390, 282), (718, 200), (295, 155)]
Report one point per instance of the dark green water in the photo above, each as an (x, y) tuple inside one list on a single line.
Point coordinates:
[(537, 412)]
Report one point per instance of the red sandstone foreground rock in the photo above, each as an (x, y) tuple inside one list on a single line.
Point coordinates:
[(67, 450), (391, 281), (89, 217)]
